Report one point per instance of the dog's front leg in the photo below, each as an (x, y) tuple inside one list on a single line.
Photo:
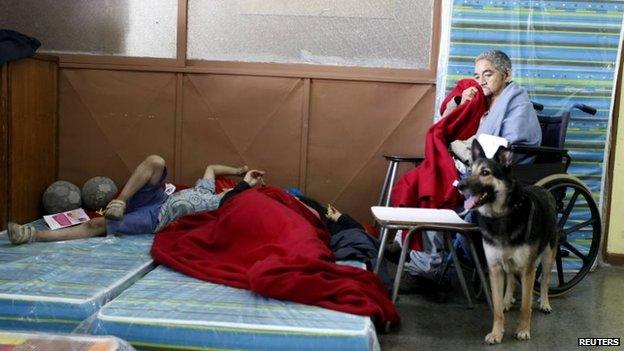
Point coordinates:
[(509, 300), (524, 326), (496, 283)]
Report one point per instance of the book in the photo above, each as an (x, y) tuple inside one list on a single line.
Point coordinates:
[(66, 219)]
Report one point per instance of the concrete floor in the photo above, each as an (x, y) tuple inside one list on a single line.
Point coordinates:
[(594, 308)]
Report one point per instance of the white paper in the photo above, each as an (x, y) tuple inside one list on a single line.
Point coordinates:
[(413, 215), (169, 188), (66, 219), (491, 143)]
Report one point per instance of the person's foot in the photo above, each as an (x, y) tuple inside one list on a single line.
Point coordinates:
[(20, 234), (332, 213), (115, 210)]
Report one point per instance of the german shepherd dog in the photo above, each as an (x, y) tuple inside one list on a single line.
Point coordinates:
[(518, 225)]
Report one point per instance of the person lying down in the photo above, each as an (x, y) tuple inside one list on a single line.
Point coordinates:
[(265, 240), (257, 238), (143, 206)]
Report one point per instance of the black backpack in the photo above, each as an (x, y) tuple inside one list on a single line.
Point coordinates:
[(15, 45)]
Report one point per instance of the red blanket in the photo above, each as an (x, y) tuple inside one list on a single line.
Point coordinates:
[(267, 241), (430, 184)]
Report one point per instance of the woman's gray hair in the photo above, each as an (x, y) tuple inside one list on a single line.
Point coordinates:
[(499, 59)]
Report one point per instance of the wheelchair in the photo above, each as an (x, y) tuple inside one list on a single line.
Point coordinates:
[(578, 218)]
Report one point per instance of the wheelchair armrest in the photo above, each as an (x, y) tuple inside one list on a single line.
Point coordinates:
[(538, 150), (403, 158)]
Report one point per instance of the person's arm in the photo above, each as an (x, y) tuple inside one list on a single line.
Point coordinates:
[(213, 171), (344, 222), (339, 221), (349, 222), (239, 188), (466, 96), (520, 125), (252, 178)]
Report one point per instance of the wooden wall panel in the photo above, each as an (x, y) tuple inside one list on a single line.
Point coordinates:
[(4, 146), (334, 131), (110, 120), (32, 140), (242, 120), (352, 125)]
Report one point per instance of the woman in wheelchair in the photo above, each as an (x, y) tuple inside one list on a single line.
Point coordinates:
[(509, 113)]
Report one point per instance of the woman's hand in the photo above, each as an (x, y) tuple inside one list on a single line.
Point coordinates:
[(468, 94)]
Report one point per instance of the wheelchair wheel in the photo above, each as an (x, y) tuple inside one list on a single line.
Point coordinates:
[(578, 222)]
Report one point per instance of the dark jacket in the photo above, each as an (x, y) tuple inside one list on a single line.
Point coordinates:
[(15, 45)]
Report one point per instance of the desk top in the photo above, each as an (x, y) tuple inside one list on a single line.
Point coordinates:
[(416, 216)]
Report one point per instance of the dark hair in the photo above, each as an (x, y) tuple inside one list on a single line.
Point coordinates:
[(315, 205)]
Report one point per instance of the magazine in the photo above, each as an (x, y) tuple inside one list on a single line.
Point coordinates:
[(66, 219)]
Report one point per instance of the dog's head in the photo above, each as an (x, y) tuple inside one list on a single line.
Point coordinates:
[(490, 179)]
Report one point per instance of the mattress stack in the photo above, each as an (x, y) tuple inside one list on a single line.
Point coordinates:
[(110, 286), (55, 286)]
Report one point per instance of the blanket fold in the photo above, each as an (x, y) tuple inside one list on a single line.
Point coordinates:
[(266, 241), (430, 184)]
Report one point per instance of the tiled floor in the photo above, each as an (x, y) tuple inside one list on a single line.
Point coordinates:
[(594, 308)]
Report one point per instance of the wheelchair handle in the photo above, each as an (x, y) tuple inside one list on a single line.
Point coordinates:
[(585, 108)]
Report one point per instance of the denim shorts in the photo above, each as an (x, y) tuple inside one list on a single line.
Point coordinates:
[(142, 209)]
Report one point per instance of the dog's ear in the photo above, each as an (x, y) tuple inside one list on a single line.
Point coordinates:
[(477, 150), (504, 156)]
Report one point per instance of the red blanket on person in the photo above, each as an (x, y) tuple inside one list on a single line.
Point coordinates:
[(430, 184), (266, 241)]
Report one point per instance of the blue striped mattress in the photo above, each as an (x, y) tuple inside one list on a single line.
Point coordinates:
[(168, 310), (55, 286)]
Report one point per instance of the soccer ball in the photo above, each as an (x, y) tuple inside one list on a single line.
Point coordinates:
[(61, 196), (97, 192)]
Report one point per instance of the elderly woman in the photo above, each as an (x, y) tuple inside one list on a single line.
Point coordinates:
[(510, 114), (491, 104)]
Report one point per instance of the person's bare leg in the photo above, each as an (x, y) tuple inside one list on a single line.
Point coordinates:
[(94, 227), (22, 234), (150, 171)]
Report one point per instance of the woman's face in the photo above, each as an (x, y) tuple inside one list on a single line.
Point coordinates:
[(491, 80)]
